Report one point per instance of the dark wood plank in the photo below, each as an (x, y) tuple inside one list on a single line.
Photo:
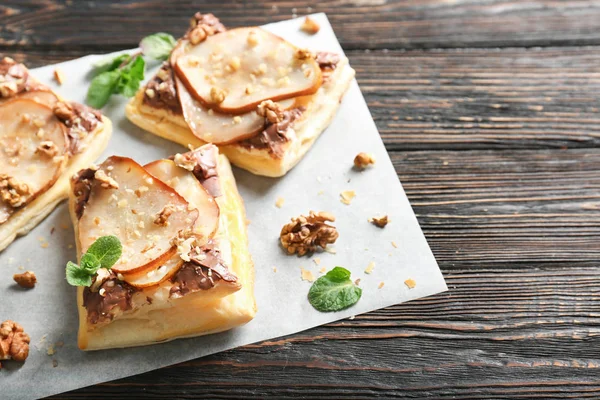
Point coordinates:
[(470, 99), (516, 234), (105, 24)]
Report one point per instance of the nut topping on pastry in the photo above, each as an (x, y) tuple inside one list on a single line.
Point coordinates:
[(13, 192), (304, 234), (273, 112)]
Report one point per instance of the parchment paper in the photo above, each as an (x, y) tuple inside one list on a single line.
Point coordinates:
[(49, 313)]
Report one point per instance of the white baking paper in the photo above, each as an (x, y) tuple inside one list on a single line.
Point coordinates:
[(399, 251)]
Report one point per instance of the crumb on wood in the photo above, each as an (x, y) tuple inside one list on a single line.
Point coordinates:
[(410, 283)]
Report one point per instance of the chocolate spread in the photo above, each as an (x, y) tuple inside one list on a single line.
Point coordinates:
[(162, 90), (203, 271), (206, 170), (79, 119), (274, 135), (82, 187), (116, 295)]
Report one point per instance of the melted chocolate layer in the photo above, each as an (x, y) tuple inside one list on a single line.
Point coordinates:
[(82, 187), (116, 295)]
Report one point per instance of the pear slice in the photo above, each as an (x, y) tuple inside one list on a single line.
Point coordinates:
[(156, 275), (234, 71), (214, 127), (42, 96), (187, 185), (33, 147), (142, 211)]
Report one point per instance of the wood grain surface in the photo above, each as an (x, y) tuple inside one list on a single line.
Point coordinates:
[(496, 142)]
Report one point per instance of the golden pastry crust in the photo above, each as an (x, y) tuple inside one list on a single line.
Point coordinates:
[(321, 110), (195, 314)]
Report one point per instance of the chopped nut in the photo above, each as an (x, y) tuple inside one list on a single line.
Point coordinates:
[(8, 89), (380, 222), (105, 181), (274, 269), (235, 63), (262, 69), (47, 148), (163, 216), (323, 270), (184, 162), (14, 342), (249, 89), (217, 95), (97, 220), (197, 35), (306, 275), (310, 26), (380, 285), (59, 76), (236, 120), (26, 279), (304, 234), (12, 192), (122, 203), (273, 112), (347, 196), (363, 160), (252, 39), (279, 202), (394, 244), (410, 283), (317, 260), (303, 54), (370, 267), (150, 93)]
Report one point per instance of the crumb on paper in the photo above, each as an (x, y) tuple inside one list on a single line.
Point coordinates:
[(394, 244), (357, 282), (59, 344), (54, 363), (44, 245), (380, 222), (50, 350), (310, 26), (330, 250), (306, 275), (21, 268), (11, 260), (64, 226), (410, 283), (52, 230), (347, 196), (274, 269), (59, 76), (26, 280), (317, 260), (321, 192), (363, 160), (323, 270), (69, 246), (248, 222), (370, 267), (279, 202), (381, 284)]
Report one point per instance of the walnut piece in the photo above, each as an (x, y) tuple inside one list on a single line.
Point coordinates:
[(184, 161), (13, 192), (304, 234), (303, 54), (64, 111), (380, 222), (48, 148), (363, 160), (26, 280), (162, 218), (8, 89), (105, 181), (217, 95), (14, 342), (273, 112), (310, 26)]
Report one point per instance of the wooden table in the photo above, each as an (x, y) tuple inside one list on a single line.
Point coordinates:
[(489, 109)]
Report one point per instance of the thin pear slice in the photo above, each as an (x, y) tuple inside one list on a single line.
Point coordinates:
[(142, 211), (33, 146), (187, 185), (155, 276), (234, 71), (42, 96), (218, 128)]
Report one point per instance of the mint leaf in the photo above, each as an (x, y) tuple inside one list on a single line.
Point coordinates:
[(90, 263), (102, 87), (131, 76), (334, 291), (77, 276), (109, 64), (158, 46), (107, 250)]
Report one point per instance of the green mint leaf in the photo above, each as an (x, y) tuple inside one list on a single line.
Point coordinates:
[(107, 250), (90, 263), (77, 276), (131, 76), (158, 46), (102, 87), (334, 291), (109, 64)]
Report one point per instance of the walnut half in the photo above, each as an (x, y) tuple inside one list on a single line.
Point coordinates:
[(14, 343), (304, 234), (26, 280)]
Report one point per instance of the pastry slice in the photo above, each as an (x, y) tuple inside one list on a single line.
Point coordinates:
[(43, 141), (262, 100), (184, 270)]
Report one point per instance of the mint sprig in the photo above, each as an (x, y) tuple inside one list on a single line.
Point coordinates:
[(158, 45), (103, 253), (124, 73), (334, 291)]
